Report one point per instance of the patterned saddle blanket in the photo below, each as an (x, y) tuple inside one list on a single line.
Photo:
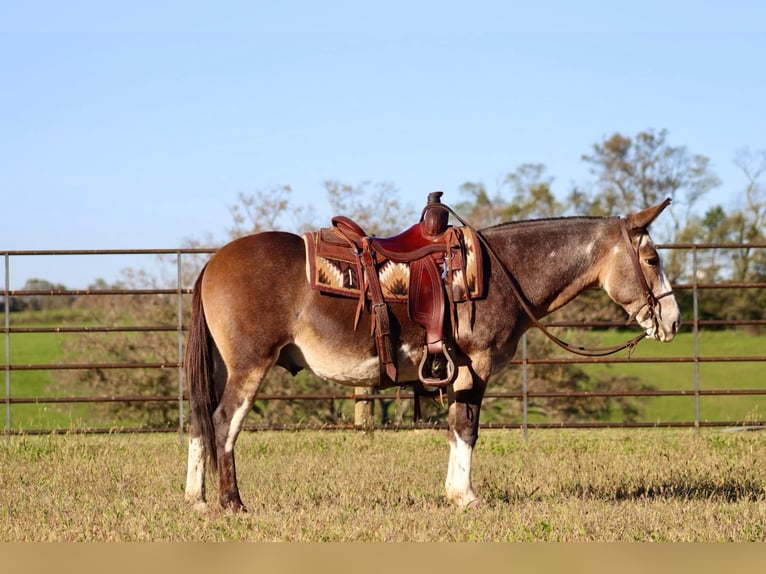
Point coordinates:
[(333, 265)]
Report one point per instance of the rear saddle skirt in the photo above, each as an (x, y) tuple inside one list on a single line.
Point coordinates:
[(431, 273)]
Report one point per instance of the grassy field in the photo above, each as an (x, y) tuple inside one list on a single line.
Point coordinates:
[(680, 376), (40, 348), (564, 485)]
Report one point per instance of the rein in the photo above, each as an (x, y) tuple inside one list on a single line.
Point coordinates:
[(651, 299)]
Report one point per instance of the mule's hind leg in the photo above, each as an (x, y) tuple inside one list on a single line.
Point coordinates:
[(228, 418), (195, 470)]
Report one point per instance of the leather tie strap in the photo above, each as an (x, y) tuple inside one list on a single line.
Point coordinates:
[(379, 318)]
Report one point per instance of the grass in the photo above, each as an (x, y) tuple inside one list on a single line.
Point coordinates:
[(680, 376), (40, 348), (606, 485)]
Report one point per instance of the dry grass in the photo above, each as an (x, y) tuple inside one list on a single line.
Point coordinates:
[(346, 486)]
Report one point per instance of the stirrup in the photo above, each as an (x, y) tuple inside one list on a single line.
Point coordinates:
[(432, 381)]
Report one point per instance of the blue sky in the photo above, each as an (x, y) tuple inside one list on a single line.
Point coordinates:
[(137, 124)]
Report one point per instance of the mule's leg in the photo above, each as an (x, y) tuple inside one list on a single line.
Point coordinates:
[(228, 418), (463, 420), (195, 470)]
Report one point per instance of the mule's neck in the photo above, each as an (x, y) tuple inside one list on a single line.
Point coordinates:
[(553, 260)]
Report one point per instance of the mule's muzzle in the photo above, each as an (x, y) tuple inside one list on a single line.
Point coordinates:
[(661, 321)]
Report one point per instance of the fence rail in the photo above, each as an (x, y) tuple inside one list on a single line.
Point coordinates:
[(182, 291)]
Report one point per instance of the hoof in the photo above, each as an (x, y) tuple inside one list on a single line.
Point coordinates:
[(234, 505), (196, 502), (200, 506), (464, 500)]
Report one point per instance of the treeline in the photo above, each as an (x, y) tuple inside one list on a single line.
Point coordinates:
[(43, 301)]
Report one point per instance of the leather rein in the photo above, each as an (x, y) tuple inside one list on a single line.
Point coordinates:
[(651, 299)]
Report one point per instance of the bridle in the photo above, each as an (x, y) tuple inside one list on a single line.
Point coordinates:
[(652, 300)]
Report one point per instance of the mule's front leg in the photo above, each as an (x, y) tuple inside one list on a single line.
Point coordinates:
[(461, 443), (463, 422)]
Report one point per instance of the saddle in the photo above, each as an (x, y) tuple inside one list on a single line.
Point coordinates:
[(431, 266)]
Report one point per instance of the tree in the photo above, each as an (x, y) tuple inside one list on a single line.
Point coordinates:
[(376, 207), (47, 300), (522, 194), (127, 347), (750, 223), (740, 223), (263, 210), (633, 173)]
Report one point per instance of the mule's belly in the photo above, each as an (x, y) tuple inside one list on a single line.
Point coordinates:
[(348, 366)]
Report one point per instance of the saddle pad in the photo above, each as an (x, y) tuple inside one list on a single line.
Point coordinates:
[(332, 266)]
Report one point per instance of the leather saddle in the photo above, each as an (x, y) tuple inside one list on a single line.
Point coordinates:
[(426, 265)]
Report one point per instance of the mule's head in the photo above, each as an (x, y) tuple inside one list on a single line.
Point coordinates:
[(634, 278)]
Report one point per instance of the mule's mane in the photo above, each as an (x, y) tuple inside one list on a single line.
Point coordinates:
[(535, 222)]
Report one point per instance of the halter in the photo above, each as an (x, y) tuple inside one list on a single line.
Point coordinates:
[(651, 299)]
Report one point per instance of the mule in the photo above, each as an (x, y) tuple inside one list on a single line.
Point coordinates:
[(253, 309)]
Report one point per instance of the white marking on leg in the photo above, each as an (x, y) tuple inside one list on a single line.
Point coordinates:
[(195, 473), (458, 483), (450, 469), (236, 424)]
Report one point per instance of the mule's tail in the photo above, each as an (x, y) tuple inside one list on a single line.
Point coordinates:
[(198, 366)]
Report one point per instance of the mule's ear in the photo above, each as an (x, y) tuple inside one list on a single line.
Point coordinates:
[(645, 217)]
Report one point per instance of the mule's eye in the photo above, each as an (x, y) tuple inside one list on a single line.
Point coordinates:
[(652, 261)]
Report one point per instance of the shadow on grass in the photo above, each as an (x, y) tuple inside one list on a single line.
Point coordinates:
[(726, 491), (719, 491)]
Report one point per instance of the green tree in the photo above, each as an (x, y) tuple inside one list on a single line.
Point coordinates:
[(525, 193), (750, 223), (741, 223), (47, 298)]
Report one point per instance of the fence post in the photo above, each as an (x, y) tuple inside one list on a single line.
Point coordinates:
[(363, 409), (180, 350), (7, 313), (695, 331)]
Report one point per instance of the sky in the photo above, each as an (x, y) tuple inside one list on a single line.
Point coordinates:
[(129, 125)]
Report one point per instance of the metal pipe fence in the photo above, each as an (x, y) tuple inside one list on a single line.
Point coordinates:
[(181, 291)]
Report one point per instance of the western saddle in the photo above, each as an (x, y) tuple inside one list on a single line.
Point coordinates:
[(431, 265)]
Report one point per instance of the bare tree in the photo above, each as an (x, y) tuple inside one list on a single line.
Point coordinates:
[(376, 207), (633, 173), (266, 209)]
